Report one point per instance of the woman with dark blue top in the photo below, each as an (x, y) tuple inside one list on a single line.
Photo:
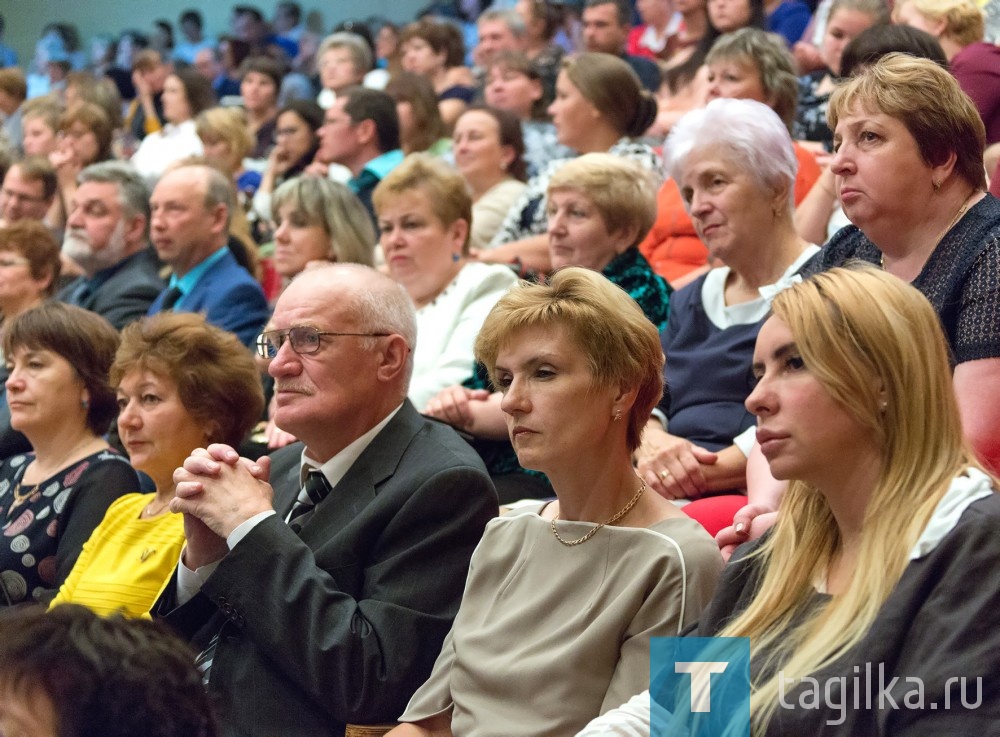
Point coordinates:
[(735, 166)]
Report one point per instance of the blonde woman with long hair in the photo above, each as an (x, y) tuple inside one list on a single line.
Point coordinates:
[(878, 575)]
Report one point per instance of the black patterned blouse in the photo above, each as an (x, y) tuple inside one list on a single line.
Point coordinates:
[(43, 528), (810, 115)]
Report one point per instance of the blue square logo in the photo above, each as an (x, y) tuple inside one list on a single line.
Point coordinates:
[(699, 686)]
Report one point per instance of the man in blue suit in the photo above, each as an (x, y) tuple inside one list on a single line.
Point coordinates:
[(189, 227)]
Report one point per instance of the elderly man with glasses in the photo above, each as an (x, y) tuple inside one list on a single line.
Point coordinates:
[(325, 601)]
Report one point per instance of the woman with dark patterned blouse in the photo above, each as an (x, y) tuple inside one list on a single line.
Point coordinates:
[(59, 397), (847, 19)]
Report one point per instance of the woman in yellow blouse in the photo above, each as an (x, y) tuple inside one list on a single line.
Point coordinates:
[(181, 384)]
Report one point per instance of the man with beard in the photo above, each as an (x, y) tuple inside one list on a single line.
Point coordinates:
[(106, 236)]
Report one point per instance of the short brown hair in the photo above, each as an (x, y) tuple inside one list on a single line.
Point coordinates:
[(14, 83), (263, 65), (440, 36), (35, 242), (96, 121), (85, 339), (83, 664), (38, 169), (928, 101), (445, 188), (621, 345), (217, 380)]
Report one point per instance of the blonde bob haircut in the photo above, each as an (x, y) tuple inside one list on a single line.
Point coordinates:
[(928, 101), (622, 346), (876, 346), (444, 187), (337, 210), (623, 192), (963, 20), (227, 124)]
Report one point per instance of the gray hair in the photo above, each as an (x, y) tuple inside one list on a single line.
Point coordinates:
[(219, 190), (749, 132), (509, 17), (379, 304), (361, 52), (133, 192), (337, 210)]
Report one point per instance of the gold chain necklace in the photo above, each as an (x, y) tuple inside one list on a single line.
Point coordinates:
[(958, 216), (624, 510), (148, 510), (20, 497)]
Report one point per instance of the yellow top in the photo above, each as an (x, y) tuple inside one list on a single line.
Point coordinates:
[(126, 562)]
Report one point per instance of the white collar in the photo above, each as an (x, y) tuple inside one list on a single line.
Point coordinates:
[(337, 467)]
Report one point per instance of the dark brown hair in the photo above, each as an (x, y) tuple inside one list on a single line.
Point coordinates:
[(32, 240), (85, 339), (85, 665)]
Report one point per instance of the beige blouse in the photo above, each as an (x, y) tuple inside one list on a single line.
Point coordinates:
[(489, 211), (549, 636)]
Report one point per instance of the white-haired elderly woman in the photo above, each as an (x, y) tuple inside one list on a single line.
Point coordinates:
[(734, 163)]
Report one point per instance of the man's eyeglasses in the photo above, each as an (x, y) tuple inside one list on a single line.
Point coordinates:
[(304, 340)]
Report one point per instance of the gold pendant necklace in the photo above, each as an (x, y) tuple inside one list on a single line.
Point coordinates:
[(624, 510), (20, 497)]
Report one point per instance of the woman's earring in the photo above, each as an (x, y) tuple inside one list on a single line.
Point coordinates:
[(618, 415), (456, 257)]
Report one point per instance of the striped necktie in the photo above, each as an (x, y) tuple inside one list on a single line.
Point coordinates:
[(315, 490)]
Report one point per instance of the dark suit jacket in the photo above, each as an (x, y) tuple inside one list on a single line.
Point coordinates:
[(229, 297), (647, 71), (343, 624), (126, 295)]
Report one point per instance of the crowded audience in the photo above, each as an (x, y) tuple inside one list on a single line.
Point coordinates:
[(427, 263)]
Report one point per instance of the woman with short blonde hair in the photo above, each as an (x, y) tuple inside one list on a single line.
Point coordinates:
[(959, 25), (564, 596), (424, 214)]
